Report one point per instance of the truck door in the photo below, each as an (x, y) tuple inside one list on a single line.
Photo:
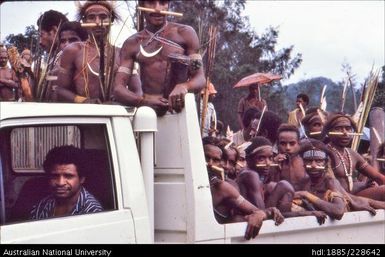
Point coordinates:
[(24, 183)]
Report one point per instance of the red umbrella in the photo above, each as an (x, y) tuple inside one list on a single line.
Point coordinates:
[(259, 78)]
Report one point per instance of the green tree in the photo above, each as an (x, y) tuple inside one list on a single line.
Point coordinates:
[(240, 50), (30, 39)]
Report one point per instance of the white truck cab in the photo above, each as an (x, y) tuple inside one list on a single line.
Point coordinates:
[(149, 174)]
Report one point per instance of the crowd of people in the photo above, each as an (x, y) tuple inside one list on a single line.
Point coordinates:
[(301, 167), (267, 170), (155, 67)]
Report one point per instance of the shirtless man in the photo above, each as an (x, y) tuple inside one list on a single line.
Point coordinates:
[(229, 158), (70, 32), (291, 164), (258, 187), (9, 88), (313, 123), (323, 188), (79, 77), (49, 23), (347, 160), (381, 158), (254, 181), (151, 48), (229, 205)]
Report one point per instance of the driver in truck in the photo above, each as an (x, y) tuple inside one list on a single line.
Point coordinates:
[(63, 166)]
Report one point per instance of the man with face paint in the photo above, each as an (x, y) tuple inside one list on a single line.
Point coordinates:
[(323, 190), (152, 49), (65, 170), (9, 86), (229, 205), (339, 129), (255, 181), (81, 79)]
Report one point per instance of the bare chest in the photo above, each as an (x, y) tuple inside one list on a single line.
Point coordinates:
[(156, 48), (344, 164), (5, 73)]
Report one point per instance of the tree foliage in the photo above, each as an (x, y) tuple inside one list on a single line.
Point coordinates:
[(240, 50), (29, 40)]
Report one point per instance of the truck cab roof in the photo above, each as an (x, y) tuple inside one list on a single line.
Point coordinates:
[(29, 110)]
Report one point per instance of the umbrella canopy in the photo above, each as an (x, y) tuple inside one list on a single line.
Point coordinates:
[(211, 89), (257, 78)]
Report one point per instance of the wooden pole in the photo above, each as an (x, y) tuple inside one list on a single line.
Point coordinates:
[(209, 66), (367, 104), (143, 9)]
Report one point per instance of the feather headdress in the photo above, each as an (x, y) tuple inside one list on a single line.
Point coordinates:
[(110, 5)]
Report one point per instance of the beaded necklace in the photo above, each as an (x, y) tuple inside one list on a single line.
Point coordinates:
[(348, 171)]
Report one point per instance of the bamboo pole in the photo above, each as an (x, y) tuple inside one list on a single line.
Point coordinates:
[(218, 170), (94, 24), (352, 90), (333, 133), (178, 14), (367, 104), (209, 67), (317, 167), (260, 120), (322, 96), (265, 165), (343, 96)]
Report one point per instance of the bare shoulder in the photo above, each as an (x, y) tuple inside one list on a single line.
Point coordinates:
[(183, 28), (134, 39), (356, 156), (185, 31), (73, 48), (247, 175), (227, 189), (71, 53), (332, 183)]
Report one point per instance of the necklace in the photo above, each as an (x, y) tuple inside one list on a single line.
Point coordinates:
[(163, 41), (154, 35), (348, 171)]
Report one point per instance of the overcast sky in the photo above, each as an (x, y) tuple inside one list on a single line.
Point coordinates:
[(327, 33)]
